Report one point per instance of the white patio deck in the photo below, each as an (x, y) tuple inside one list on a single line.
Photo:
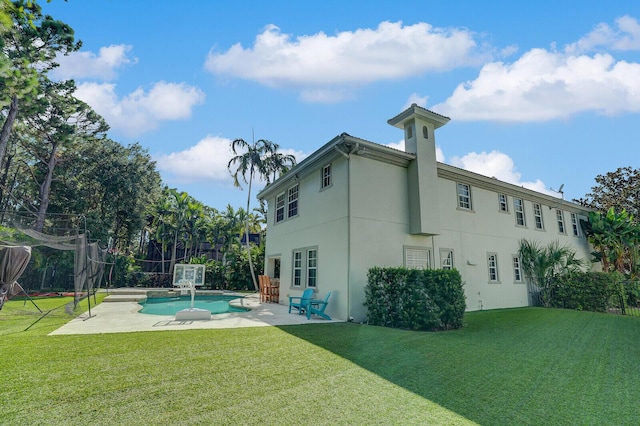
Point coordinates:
[(120, 315)]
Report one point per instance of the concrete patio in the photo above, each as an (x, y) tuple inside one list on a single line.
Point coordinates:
[(118, 313)]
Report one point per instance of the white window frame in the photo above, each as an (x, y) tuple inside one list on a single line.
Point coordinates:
[(575, 225), (293, 195), (417, 257), (280, 215), (517, 269), (492, 267), (518, 208), (446, 259), (296, 278), (503, 203), (464, 198), (562, 229), (312, 268), (305, 268), (326, 179), (537, 216)]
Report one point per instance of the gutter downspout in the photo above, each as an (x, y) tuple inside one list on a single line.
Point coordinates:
[(347, 155)]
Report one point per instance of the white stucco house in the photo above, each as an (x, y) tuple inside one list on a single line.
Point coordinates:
[(354, 204)]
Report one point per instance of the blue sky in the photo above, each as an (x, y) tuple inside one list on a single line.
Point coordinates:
[(539, 93)]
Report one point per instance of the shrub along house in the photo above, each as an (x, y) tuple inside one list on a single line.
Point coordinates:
[(355, 204)]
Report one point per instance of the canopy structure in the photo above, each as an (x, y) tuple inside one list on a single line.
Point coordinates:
[(13, 262)]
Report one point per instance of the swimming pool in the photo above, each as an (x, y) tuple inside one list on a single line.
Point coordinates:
[(216, 304)]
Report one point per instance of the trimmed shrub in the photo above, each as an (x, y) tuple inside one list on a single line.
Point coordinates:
[(414, 299), (589, 291)]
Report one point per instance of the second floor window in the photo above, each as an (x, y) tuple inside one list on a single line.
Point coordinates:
[(502, 203), (518, 207), (293, 201), (574, 224), (537, 213), (326, 176), (464, 196), (560, 217), (280, 208)]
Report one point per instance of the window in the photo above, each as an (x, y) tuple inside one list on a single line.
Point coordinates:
[(446, 258), (517, 270), (305, 268), (537, 214), (280, 208), (502, 203), (560, 217), (574, 225), (297, 268), (492, 262), (409, 132), (293, 201), (326, 176), (417, 258), (518, 207), (312, 268), (464, 196), (425, 132)]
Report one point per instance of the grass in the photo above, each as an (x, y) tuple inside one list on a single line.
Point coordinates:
[(518, 366)]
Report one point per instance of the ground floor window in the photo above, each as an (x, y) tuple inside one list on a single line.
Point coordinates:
[(492, 263), (446, 259), (517, 270), (305, 267)]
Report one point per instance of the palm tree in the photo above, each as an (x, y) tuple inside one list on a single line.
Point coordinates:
[(258, 159), (541, 264)]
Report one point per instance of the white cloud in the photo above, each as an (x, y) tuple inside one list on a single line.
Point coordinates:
[(499, 165), (88, 65), (626, 36), (350, 58), (207, 160), (545, 85), (141, 111)]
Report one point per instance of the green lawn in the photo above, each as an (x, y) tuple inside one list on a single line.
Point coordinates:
[(509, 367)]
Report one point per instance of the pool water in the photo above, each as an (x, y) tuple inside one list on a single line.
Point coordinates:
[(216, 304)]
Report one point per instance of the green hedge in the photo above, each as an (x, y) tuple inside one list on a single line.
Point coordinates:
[(588, 291), (415, 299)]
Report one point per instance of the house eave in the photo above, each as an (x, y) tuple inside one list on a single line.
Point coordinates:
[(446, 171), (341, 145)]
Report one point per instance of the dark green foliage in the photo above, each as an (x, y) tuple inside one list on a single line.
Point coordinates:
[(415, 299), (589, 291)]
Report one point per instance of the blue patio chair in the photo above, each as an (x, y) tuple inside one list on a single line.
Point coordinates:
[(317, 307), (301, 303)]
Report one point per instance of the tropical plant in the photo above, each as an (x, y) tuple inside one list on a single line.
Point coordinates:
[(615, 238), (258, 159), (541, 264)]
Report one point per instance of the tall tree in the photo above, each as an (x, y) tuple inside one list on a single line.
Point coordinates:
[(619, 190), (251, 160), (59, 121), (28, 50)]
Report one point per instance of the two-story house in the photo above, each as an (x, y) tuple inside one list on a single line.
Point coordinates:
[(354, 204)]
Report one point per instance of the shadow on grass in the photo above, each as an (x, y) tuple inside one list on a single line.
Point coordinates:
[(515, 366)]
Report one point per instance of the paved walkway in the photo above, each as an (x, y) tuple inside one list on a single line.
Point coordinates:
[(123, 316)]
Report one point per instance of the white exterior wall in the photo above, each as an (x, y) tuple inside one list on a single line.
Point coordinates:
[(474, 234), (380, 231), (321, 223)]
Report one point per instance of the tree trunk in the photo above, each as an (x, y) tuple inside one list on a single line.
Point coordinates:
[(45, 189), (246, 235), (8, 125)]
